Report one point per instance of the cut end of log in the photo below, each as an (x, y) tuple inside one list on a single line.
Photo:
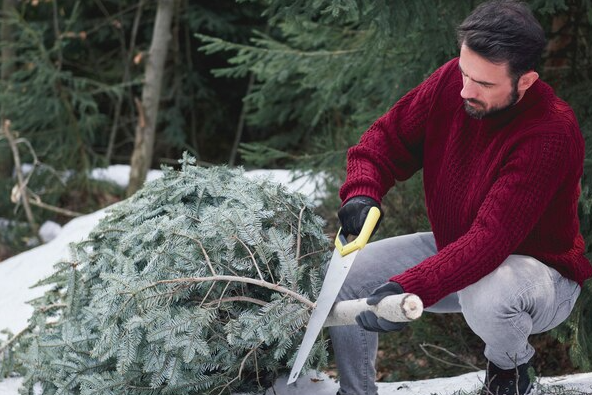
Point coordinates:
[(412, 306)]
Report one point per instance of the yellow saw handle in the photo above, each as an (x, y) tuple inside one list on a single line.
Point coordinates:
[(359, 242)]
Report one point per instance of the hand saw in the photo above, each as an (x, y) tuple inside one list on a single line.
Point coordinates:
[(343, 257)]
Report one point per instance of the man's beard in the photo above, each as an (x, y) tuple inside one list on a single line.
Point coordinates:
[(486, 113)]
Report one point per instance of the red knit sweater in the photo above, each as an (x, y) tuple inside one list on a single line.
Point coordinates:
[(493, 187)]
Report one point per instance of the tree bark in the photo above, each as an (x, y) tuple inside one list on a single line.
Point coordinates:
[(148, 107), (6, 69), (127, 57), (562, 36), (241, 123)]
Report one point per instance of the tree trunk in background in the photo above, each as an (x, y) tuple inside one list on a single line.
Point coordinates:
[(557, 64), (148, 108), (6, 68), (127, 58)]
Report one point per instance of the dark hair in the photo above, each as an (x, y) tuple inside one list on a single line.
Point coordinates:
[(504, 31)]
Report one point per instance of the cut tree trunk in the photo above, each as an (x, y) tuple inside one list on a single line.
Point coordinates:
[(148, 107)]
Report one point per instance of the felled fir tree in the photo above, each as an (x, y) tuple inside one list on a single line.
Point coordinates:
[(199, 284)]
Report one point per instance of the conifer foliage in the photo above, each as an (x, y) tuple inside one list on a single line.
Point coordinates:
[(198, 284)]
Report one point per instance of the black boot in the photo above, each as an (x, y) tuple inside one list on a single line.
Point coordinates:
[(514, 381)]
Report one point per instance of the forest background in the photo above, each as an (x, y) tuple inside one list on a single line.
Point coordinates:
[(256, 83)]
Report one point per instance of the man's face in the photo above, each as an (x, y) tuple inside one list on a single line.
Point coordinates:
[(487, 87)]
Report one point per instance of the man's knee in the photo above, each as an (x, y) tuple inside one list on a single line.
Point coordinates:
[(483, 308), (505, 296)]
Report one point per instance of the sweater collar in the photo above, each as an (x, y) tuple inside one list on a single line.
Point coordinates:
[(531, 97)]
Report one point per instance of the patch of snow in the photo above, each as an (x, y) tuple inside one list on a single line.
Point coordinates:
[(309, 185), (119, 174), (320, 384), (10, 386), (295, 181), (49, 231), (19, 273), (26, 168)]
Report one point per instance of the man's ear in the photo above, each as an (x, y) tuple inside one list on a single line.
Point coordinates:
[(526, 80)]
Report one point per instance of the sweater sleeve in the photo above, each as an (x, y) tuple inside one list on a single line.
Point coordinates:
[(391, 149), (530, 177)]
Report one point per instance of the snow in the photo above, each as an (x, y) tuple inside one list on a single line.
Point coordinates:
[(305, 184), (19, 273), (10, 386), (49, 231), (119, 174)]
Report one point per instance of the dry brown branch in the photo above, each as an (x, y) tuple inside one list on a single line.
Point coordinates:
[(36, 201), (467, 364), (21, 192)]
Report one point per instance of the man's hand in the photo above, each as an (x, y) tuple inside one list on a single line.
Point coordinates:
[(354, 212), (369, 321)]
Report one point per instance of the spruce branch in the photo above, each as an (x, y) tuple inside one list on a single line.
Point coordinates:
[(312, 253), (298, 233), (45, 309), (216, 44), (260, 283), (224, 292), (15, 338), (242, 365), (231, 299), (207, 294), (241, 368), (203, 250), (251, 255)]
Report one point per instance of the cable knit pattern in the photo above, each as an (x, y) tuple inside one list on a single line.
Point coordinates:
[(503, 185)]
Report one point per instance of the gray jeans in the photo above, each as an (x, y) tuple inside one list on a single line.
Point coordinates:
[(521, 297)]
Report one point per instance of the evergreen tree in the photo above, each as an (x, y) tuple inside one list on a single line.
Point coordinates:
[(200, 283), (327, 69)]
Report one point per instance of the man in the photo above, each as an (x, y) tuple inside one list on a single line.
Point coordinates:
[(502, 158)]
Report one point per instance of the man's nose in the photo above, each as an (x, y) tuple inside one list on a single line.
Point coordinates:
[(469, 90)]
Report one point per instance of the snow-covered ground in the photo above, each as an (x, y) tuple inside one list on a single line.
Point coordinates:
[(20, 272)]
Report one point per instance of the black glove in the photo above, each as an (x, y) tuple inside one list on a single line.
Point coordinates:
[(369, 321), (353, 214)]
